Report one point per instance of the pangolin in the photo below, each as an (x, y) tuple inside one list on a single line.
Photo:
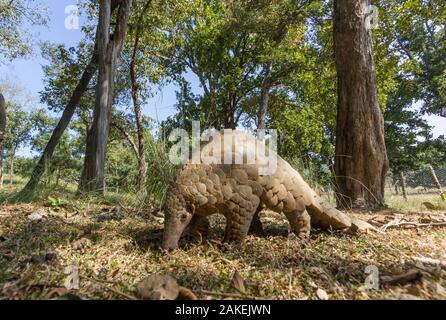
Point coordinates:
[(240, 191)]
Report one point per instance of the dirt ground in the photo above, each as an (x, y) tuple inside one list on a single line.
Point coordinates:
[(115, 247)]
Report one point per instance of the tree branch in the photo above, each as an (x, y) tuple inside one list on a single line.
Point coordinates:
[(128, 137)]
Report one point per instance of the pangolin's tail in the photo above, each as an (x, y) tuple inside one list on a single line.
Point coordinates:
[(325, 216)]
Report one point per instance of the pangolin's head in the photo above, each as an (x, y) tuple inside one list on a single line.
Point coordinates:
[(176, 217)]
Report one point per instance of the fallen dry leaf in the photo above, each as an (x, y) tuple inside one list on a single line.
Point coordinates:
[(238, 283), (55, 292)]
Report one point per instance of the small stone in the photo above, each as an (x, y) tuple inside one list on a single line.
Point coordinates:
[(109, 216), (322, 294), (37, 216)]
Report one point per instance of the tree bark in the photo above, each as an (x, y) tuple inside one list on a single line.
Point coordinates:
[(142, 163), (2, 119), (109, 48), (93, 176), (435, 179), (1, 167), (65, 119), (127, 136), (403, 185), (264, 97), (2, 135), (11, 168), (361, 162), (267, 82)]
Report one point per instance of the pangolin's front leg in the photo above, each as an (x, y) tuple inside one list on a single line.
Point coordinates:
[(238, 218), (300, 222)]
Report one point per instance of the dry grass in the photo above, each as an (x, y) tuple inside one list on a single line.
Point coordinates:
[(115, 247), (414, 202)]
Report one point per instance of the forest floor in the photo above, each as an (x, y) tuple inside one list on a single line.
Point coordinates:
[(115, 246)]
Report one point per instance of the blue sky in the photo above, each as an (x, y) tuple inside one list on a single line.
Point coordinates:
[(28, 73)]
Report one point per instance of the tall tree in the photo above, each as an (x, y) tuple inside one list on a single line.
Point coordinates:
[(61, 126), (109, 49), (17, 135), (136, 95), (2, 134), (2, 119), (238, 51), (361, 162), (67, 114)]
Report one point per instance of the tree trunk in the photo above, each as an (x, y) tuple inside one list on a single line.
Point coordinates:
[(142, 163), (403, 185), (2, 119), (435, 179), (267, 82), (264, 98), (11, 169), (65, 119), (109, 48), (361, 161), (2, 135), (93, 177), (127, 136), (1, 167)]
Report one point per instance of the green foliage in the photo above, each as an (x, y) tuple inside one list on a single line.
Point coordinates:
[(62, 73), (24, 166), (226, 45), (160, 169), (227, 48), (16, 40), (415, 35), (18, 129), (405, 129), (57, 203), (121, 167)]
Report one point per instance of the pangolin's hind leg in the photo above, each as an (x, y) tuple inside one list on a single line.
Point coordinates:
[(300, 222), (238, 219), (199, 225)]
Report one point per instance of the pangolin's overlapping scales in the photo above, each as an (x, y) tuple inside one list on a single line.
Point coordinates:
[(240, 176), (256, 188), (236, 190)]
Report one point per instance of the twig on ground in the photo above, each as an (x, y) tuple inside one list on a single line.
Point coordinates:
[(103, 284), (411, 276), (227, 294), (395, 224), (430, 261)]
